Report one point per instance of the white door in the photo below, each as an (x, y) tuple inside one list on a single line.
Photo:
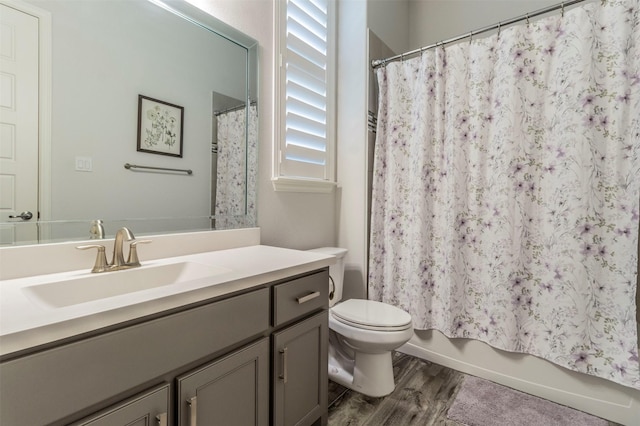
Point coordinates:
[(18, 126)]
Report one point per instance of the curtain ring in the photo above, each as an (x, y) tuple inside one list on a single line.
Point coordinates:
[(528, 20), (402, 57), (499, 28), (470, 37), (562, 10)]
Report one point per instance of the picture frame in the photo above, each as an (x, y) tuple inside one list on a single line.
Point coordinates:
[(160, 127)]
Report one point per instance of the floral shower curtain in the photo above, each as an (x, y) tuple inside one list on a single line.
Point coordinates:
[(506, 189), (237, 166)]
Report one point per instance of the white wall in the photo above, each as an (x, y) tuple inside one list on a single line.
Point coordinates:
[(293, 220), (389, 19), (351, 136), (431, 21)]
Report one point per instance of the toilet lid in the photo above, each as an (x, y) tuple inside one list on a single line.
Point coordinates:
[(371, 314)]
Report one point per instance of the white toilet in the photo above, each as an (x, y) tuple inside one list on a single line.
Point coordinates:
[(362, 334)]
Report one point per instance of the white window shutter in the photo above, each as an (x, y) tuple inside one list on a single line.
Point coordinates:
[(305, 144)]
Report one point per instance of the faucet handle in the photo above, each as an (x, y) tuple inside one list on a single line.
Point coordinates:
[(101, 264), (133, 252)]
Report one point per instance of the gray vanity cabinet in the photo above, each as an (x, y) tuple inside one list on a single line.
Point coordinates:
[(205, 364), (149, 408), (300, 351), (232, 391)]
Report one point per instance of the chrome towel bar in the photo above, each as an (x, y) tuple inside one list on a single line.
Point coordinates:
[(135, 166)]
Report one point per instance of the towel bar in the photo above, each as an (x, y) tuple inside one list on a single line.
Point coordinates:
[(135, 166)]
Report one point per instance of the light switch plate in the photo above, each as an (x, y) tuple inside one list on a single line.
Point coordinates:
[(84, 164)]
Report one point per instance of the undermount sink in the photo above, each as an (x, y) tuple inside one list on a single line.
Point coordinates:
[(87, 288)]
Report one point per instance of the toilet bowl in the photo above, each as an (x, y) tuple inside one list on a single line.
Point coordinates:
[(362, 336)]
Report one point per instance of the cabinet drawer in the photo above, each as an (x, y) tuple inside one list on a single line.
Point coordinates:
[(299, 297)]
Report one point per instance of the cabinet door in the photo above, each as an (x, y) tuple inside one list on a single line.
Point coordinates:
[(233, 390), (150, 408), (300, 372)]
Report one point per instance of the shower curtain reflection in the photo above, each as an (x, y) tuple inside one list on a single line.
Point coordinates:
[(236, 167)]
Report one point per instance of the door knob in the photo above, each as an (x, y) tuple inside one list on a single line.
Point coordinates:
[(23, 216)]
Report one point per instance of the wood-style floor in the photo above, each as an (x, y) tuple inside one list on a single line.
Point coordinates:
[(424, 392)]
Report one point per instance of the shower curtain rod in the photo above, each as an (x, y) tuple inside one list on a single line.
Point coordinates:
[(235, 108), (381, 62)]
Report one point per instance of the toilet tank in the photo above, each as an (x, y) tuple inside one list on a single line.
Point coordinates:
[(336, 272)]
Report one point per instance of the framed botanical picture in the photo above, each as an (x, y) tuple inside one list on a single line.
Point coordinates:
[(159, 127)]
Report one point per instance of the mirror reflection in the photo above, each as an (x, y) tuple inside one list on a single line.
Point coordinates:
[(198, 72)]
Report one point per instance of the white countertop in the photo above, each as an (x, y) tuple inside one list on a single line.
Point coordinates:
[(25, 323)]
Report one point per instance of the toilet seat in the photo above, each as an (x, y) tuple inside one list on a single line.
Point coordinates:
[(371, 315)]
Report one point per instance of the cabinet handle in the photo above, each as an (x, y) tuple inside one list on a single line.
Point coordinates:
[(193, 411), (162, 419), (283, 376), (308, 297)]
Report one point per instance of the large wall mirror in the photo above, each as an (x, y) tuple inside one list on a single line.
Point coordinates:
[(162, 87)]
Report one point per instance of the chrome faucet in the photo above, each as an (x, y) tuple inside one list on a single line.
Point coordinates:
[(117, 262)]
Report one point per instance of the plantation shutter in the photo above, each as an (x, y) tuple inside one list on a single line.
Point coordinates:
[(304, 150)]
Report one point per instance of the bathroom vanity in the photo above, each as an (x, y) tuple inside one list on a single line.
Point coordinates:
[(246, 346)]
